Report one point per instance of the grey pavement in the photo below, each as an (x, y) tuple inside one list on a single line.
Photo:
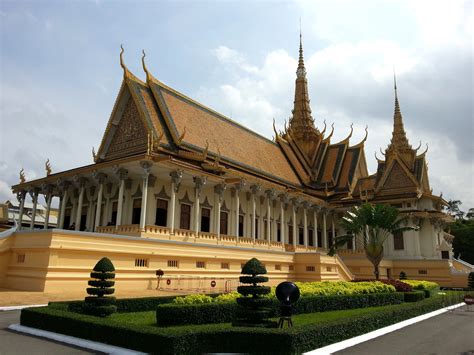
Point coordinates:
[(448, 333), (16, 343)]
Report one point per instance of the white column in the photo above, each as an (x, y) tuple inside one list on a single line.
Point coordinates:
[(63, 207), (238, 187), (325, 235), (176, 177), (315, 223), (98, 209), (34, 196), (219, 191), (270, 195), (305, 223), (255, 189), (48, 196), (199, 182), (283, 226), (146, 166), (100, 177), (120, 202), (21, 198), (82, 185), (295, 224), (333, 227)]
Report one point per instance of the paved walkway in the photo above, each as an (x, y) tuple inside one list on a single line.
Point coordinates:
[(15, 343), (448, 333), (18, 298)]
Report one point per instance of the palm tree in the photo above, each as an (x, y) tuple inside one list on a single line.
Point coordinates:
[(371, 225)]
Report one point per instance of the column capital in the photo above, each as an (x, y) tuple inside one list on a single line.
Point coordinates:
[(80, 181), (316, 208), (306, 205), (296, 201), (99, 177), (121, 173), (284, 197), (146, 166), (199, 182), (255, 188), (33, 191), (20, 195), (240, 185), (62, 185), (176, 177), (219, 190), (271, 194), (46, 188)]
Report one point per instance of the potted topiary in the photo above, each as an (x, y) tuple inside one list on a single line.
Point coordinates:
[(254, 307), (402, 276), (99, 303)]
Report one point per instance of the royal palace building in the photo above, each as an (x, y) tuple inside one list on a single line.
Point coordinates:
[(178, 187)]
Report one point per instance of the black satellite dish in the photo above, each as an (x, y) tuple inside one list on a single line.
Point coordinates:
[(287, 293)]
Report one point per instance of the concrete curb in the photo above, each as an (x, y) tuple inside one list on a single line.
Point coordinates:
[(330, 349), (66, 339), (16, 308)]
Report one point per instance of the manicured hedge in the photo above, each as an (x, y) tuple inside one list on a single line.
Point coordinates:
[(212, 338), (414, 296), (123, 305), (181, 314)]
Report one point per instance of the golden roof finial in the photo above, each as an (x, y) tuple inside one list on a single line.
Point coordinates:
[(122, 63), (47, 167), (94, 155), (145, 69), (274, 129), (22, 176)]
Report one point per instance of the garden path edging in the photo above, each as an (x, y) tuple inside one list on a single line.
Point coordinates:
[(332, 348), (17, 308), (66, 339)]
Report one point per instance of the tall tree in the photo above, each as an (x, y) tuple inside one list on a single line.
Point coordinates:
[(371, 225), (453, 209)]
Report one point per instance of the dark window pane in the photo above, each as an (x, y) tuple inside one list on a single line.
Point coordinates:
[(241, 226), (137, 210), (161, 215), (398, 243), (185, 217), (205, 220), (310, 237), (223, 223), (301, 235)]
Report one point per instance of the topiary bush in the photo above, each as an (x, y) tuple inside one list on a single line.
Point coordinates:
[(99, 303), (470, 281), (403, 275), (254, 309)]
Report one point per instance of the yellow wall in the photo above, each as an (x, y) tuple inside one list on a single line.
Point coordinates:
[(60, 260)]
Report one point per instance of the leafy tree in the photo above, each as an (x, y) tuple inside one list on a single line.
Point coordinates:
[(463, 243), (453, 209), (254, 310), (98, 304), (371, 225), (470, 214)]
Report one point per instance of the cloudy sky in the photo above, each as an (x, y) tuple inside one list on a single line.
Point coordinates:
[(60, 73)]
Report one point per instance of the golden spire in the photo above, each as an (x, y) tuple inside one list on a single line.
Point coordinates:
[(301, 123), (47, 167), (399, 138)]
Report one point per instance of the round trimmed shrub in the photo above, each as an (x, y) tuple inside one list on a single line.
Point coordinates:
[(98, 304), (402, 276), (253, 311)]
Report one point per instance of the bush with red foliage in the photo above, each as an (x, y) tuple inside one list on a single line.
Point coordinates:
[(399, 285)]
